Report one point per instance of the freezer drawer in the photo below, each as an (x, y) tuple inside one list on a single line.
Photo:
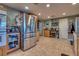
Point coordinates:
[(26, 43), (29, 42), (33, 41)]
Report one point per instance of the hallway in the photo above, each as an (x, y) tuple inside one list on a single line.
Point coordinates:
[(47, 47)]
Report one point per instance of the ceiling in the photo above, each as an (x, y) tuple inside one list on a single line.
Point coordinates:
[(55, 10)]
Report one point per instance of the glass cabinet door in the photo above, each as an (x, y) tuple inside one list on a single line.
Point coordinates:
[(2, 22)]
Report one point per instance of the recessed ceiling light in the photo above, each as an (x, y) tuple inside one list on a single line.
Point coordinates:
[(64, 13), (74, 3), (39, 13), (48, 16), (48, 5), (26, 7)]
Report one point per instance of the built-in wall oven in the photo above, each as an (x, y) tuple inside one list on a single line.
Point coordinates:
[(2, 28)]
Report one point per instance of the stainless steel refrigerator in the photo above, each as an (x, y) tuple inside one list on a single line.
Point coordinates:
[(28, 32)]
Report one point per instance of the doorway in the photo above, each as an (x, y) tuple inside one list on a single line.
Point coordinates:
[(71, 28)]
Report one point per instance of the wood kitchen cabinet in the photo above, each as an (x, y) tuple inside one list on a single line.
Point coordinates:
[(46, 33), (37, 36), (78, 46), (2, 51)]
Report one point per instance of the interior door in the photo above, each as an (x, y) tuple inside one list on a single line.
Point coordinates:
[(71, 21)]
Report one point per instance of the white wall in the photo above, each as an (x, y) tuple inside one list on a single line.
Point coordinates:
[(11, 16), (63, 28), (12, 13)]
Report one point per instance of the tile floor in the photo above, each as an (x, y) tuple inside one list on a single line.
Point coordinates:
[(47, 47)]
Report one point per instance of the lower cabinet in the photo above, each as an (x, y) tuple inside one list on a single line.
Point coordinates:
[(37, 36), (46, 33), (2, 51)]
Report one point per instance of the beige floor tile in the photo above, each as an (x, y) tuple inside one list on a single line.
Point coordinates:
[(47, 47)]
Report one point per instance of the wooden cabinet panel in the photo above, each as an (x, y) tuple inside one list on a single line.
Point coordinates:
[(1, 52), (37, 36), (78, 47), (46, 33)]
